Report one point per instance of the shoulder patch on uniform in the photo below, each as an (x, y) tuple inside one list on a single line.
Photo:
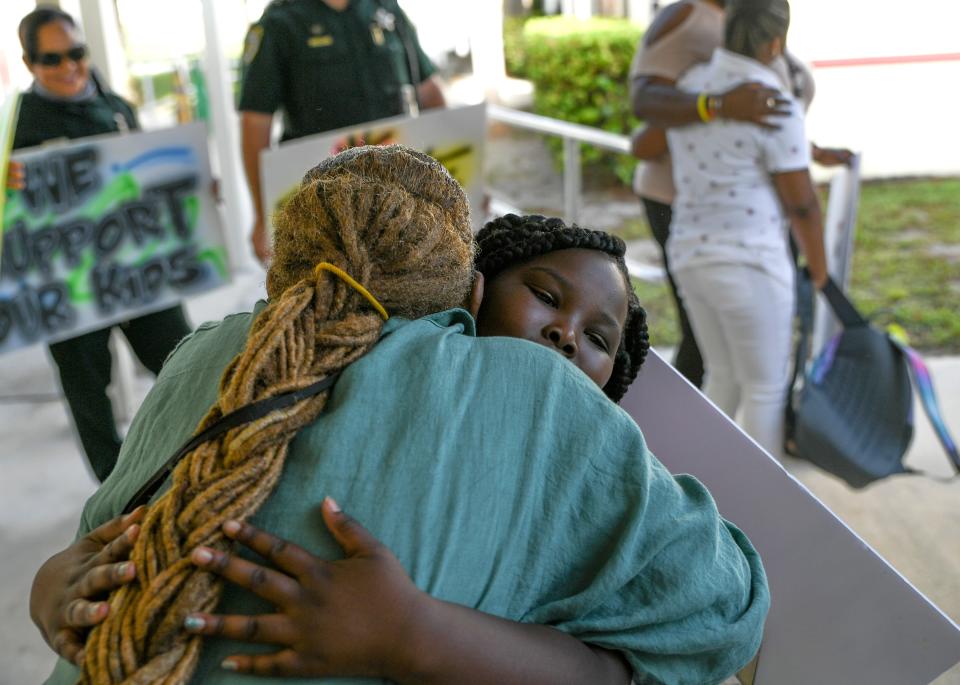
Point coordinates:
[(251, 45)]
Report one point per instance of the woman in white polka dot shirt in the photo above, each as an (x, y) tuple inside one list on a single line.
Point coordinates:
[(738, 186)]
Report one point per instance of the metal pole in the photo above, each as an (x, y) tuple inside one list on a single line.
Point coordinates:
[(840, 223), (571, 179)]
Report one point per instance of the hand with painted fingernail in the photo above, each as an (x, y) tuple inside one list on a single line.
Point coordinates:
[(351, 617), (16, 176), (69, 592)]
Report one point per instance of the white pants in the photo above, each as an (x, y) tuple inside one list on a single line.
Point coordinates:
[(741, 317)]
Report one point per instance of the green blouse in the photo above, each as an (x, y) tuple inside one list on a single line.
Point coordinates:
[(502, 478)]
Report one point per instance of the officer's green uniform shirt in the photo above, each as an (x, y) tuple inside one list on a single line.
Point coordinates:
[(327, 69), (41, 119), (502, 478)]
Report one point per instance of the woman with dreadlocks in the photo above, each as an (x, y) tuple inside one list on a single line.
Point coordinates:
[(457, 452)]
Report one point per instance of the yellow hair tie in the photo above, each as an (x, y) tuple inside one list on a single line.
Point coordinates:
[(345, 277)]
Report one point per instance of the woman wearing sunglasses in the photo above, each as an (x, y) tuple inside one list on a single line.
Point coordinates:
[(66, 101)]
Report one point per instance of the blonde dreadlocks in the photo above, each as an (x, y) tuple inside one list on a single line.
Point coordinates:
[(395, 221)]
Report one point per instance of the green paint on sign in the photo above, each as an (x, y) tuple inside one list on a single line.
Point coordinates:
[(191, 206), (78, 281), (218, 257), (122, 188)]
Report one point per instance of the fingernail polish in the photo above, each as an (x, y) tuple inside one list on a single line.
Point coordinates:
[(202, 555), (229, 665), (334, 507), (193, 623), (231, 527), (124, 569), (94, 609)]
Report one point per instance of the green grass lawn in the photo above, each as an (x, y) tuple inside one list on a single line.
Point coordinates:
[(906, 264), (906, 259)]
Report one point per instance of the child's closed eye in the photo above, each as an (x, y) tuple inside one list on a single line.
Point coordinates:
[(543, 296), (599, 341)]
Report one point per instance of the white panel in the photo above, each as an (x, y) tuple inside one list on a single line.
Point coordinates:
[(840, 613)]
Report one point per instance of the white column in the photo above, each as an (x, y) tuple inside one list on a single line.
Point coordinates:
[(102, 33), (486, 43), (640, 11), (71, 7), (225, 125), (581, 9)]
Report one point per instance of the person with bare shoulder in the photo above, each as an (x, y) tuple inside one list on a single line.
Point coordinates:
[(683, 34)]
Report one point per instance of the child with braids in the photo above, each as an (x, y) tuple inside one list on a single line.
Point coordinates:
[(500, 476), (562, 286)]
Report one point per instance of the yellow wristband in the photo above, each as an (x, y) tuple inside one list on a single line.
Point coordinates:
[(705, 115)]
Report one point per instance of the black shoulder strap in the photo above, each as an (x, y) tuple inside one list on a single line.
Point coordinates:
[(805, 317), (842, 307), (251, 412), (844, 311)]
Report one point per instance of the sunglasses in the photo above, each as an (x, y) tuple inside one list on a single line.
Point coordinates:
[(53, 59)]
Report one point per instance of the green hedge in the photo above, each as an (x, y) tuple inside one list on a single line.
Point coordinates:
[(513, 52), (579, 69), (163, 85)]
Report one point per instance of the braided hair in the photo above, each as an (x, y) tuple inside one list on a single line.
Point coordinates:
[(512, 239), (394, 220)]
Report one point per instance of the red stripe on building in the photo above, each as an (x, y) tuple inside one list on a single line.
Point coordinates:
[(875, 61)]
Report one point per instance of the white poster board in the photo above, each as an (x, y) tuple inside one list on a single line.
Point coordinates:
[(107, 228), (840, 613), (454, 137), (839, 228)]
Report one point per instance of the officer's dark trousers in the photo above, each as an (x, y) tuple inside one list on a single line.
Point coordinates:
[(687, 359), (84, 363)]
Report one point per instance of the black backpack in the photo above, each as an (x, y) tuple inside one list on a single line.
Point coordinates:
[(852, 415)]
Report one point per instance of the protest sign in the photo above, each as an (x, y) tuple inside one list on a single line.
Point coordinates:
[(107, 228), (839, 226), (8, 120), (454, 137), (839, 612)]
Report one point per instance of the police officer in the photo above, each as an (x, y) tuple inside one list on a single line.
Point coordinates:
[(66, 101), (326, 64)]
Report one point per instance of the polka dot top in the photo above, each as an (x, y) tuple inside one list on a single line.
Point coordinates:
[(726, 208)]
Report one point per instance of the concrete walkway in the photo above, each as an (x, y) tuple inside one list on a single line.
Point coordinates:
[(912, 521)]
